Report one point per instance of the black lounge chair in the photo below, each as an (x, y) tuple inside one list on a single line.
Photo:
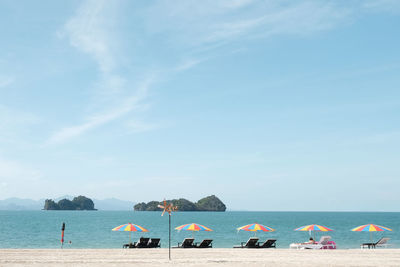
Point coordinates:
[(130, 245), (186, 243), (251, 243), (154, 243), (380, 243), (270, 243), (142, 243), (206, 243)]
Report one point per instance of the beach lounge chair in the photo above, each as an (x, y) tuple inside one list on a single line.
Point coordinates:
[(206, 243), (142, 243), (323, 243), (381, 243), (154, 243), (251, 243), (270, 243), (186, 243), (130, 245)]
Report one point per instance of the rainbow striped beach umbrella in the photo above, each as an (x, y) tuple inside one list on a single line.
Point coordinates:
[(193, 227), (371, 228), (314, 228), (131, 228), (255, 227)]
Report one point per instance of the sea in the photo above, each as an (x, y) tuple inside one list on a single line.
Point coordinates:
[(92, 229)]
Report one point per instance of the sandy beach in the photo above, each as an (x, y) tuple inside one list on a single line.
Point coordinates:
[(197, 257)]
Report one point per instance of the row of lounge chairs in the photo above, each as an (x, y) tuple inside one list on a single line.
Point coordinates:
[(253, 243), (189, 243), (326, 243), (207, 243), (144, 242)]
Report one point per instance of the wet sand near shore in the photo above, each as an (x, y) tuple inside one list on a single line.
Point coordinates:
[(198, 257)]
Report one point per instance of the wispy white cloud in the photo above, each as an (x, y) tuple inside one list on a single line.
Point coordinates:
[(87, 32), (236, 3), (90, 31), (188, 64), (210, 22), (126, 105), (300, 19), (194, 28), (392, 6)]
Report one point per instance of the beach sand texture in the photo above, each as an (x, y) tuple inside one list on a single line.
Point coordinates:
[(198, 257)]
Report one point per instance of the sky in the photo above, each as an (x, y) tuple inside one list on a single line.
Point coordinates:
[(270, 105)]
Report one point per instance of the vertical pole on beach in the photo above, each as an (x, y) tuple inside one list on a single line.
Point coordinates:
[(169, 237), (168, 208)]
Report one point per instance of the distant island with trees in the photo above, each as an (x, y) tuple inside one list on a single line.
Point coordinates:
[(78, 203), (210, 203)]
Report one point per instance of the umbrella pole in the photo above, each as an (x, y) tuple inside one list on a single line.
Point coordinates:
[(130, 237)]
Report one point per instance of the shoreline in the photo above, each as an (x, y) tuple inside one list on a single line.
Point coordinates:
[(199, 257)]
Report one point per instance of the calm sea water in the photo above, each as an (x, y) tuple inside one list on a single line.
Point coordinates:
[(92, 229)]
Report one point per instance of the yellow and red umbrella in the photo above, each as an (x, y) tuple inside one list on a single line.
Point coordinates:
[(371, 228), (255, 227), (131, 228), (314, 228)]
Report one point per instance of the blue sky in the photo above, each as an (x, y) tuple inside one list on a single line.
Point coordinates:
[(270, 105)]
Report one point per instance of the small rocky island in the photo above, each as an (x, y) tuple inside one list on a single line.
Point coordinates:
[(78, 203), (210, 203)]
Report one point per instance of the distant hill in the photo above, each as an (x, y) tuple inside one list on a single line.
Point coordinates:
[(30, 204), (210, 203), (21, 204), (77, 203)]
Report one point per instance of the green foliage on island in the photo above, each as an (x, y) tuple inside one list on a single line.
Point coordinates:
[(78, 203), (210, 203)]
